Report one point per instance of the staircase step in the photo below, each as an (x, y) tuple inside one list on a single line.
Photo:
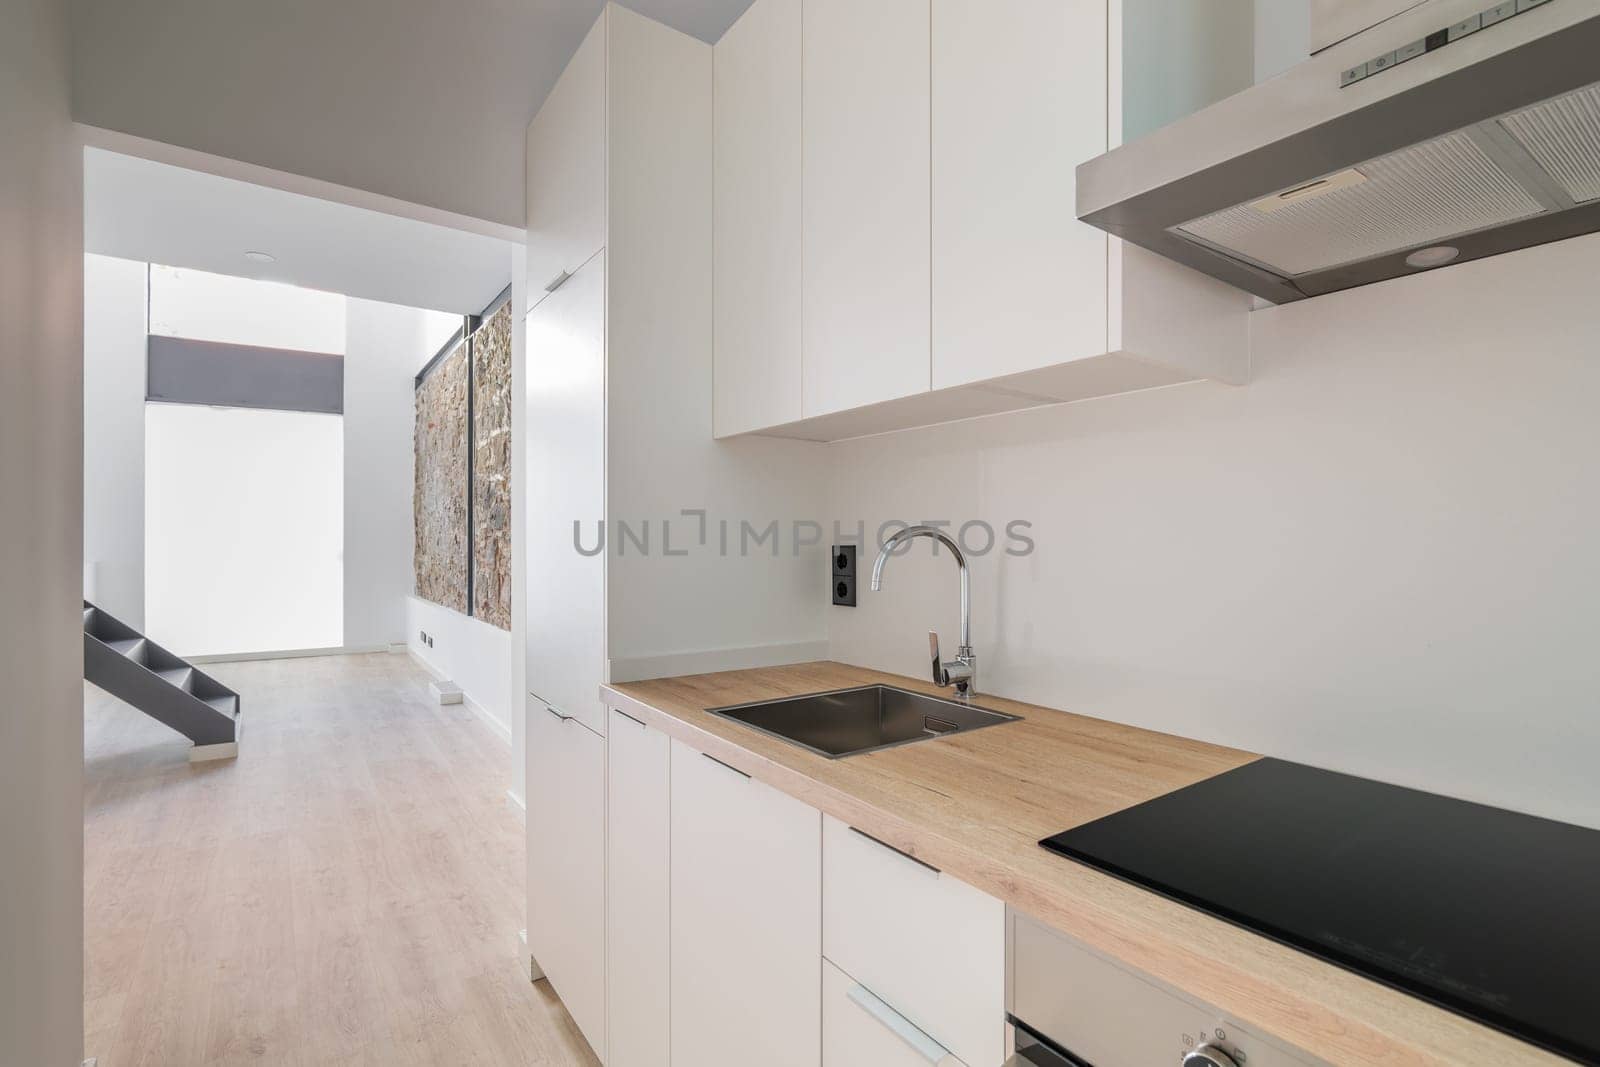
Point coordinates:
[(125, 664), (126, 647), (177, 676)]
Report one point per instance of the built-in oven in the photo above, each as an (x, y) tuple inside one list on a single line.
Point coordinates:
[(1070, 1006), (1036, 1050)]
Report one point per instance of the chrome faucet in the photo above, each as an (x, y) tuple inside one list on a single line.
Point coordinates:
[(961, 672)]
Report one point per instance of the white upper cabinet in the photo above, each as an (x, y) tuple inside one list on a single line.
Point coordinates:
[(865, 219), (757, 93), (943, 272), (1018, 282), (566, 168)]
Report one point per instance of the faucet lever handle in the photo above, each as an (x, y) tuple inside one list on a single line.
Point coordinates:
[(940, 675)]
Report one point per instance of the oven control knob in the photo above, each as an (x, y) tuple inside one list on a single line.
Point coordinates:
[(1208, 1055)]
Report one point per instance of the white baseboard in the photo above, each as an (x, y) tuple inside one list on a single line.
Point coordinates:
[(289, 653), (502, 730), (670, 665)]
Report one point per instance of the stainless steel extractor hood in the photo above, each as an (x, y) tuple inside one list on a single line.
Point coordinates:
[(1453, 125)]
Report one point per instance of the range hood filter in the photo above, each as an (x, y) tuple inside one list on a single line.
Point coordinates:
[(1563, 137), (1419, 195)]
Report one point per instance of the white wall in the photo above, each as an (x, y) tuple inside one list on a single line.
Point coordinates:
[(467, 651), (1378, 557), (1282, 35), (244, 529), (393, 343), (385, 345), (113, 449), (1188, 52), (145, 209), (41, 544), (702, 610), (201, 306)]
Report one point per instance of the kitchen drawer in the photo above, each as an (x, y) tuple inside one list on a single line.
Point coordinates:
[(926, 943), (861, 1030)]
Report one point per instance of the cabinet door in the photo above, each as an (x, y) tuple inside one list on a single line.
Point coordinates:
[(746, 920), (565, 480), (1019, 100), (638, 933), (566, 865), (566, 168), (866, 215), (757, 92), (860, 1030)]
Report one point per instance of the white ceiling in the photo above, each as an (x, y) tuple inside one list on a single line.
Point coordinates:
[(426, 101), (143, 210)]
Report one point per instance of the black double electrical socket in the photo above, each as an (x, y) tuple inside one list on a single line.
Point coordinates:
[(844, 575)]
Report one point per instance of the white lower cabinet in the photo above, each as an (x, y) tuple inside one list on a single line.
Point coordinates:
[(859, 1029), (928, 944), (566, 864), (746, 920), (638, 903)]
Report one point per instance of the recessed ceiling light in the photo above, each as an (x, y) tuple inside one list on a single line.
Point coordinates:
[(1437, 256), (261, 257)]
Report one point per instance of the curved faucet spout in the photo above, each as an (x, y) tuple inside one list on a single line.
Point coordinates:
[(962, 671), (898, 538)]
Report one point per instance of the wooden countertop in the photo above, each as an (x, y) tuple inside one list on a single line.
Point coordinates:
[(977, 804)]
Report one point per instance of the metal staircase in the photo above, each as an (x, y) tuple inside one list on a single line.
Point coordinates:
[(134, 669)]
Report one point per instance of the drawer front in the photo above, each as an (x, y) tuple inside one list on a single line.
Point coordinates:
[(928, 944), (859, 1029)]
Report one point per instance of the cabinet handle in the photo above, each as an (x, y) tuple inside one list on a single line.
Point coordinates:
[(630, 718), (898, 852), (557, 282), (898, 1025), (556, 713), (729, 766)]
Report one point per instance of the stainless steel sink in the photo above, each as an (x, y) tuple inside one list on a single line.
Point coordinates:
[(848, 722)]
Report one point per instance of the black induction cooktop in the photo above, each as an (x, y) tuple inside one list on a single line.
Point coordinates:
[(1488, 913)]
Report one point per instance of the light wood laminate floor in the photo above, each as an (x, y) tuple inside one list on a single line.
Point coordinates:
[(348, 891)]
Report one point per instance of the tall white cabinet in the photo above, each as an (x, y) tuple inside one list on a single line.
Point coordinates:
[(566, 168), (603, 246), (942, 270)]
